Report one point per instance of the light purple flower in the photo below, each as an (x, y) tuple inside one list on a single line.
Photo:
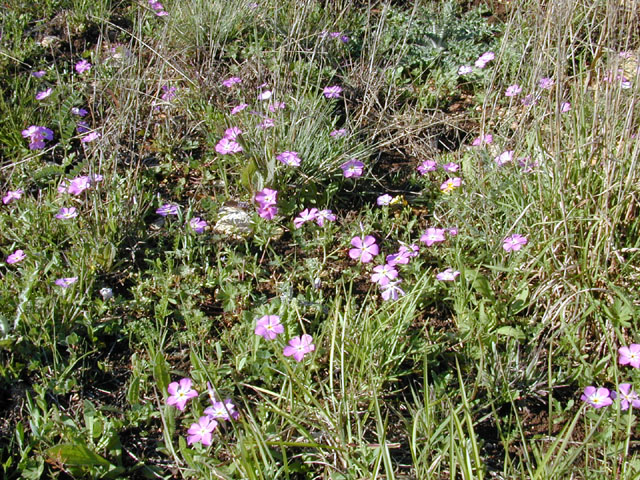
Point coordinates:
[(427, 166), (222, 410), (298, 347), (274, 107), (66, 282), (384, 200), (167, 209), (453, 231), (44, 94), (629, 355), (90, 137), (403, 256), (451, 167), (384, 274), (332, 92), (201, 431), (169, 93), (448, 275), (341, 132), (596, 397), (269, 327), (504, 157), (465, 69), (324, 216), (268, 211), (39, 74), (82, 126), (78, 185), (197, 224), (239, 108), (565, 107), (266, 197), (364, 248), (267, 123), (627, 396), (546, 83), (432, 235), (16, 257), (529, 100), (391, 291), (482, 139), (67, 213), (485, 58), (12, 195), (451, 184), (180, 393), (81, 112), (232, 133), (352, 168), (514, 243), (513, 90), (231, 81), (83, 66), (289, 158), (37, 136), (226, 146), (306, 215)]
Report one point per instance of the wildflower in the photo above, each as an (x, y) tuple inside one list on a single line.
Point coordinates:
[(239, 108), (265, 95), (504, 157), (448, 275), (267, 123), (565, 107), (352, 169), (630, 355), (384, 274), (483, 59), (332, 92), (37, 136), (169, 93), (10, 196), (365, 248), (306, 215), (453, 231), (81, 112), (66, 281), (232, 133), (67, 213), (526, 164), (596, 397), (451, 184), (529, 100), (106, 293), (78, 185), (481, 140), (432, 235), (298, 347), (167, 209), (546, 83), (231, 81), (16, 257), (83, 66), (227, 145), (39, 74), (289, 158), (465, 69), (266, 196), (627, 397), (268, 327), (268, 212), (90, 137), (341, 132), (427, 166), (403, 256), (197, 224), (451, 167), (324, 216), (513, 90), (514, 243), (82, 127), (159, 9), (222, 410), (180, 393), (391, 291), (277, 106), (44, 94), (201, 431), (335, 34), (384, 200)]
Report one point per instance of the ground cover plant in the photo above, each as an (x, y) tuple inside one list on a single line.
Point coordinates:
[(307, 239)]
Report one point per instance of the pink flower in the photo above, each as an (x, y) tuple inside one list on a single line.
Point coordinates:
[(39, 74), (629, 355), (16, 257), (465, 69), (266, 196), (66, 282), (384, 200), (222, 410), (365, 248), (67, 213), (78, 185), (432, 235), (596, 397), (332, 92), (627, 396), (482, 139), (546, 83), (306, 215), (352, 169), (451, 184), (449, 275), (201, 431), (427, 166), (384, 274), (267, 123), (391, 291), (268, 327), (12, 195), (513, 90), (226, 146), (485, 58), (167, 209), (514, 243), (83, 66), (298, 347), (44, 94), (565, 107), (289, 158), (180, 393), (232, 133), (529, 100), (451, 167), (404, 255), (197, 225), (231, 81), (277, 106), (324, 216), (90, 137), (37, 136), (504, 157), (169, 93), (268, 211), (341, 132), (239, 108)]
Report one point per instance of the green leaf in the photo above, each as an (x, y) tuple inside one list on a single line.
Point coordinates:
[(509, 331), (161, 372), (76, 454)]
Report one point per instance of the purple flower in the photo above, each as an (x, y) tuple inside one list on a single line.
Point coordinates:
[(44, 94), (384, 200), (596, 397), (341, 132), (83, 66), (465, 69), (16, 257), (78, 185), (298, 347), (81, 112), (449, 275), (504, 157), (365, 248), (529, 100), (90, 137), (66, 282), (451, 184), (169, 93), (453, 231), (67, 213), (306, 215), (432, 235), (352, 169), (332, 92), (37, 136), (266, 196), (289, 158), (514, 243), (180, 393), (277, 106), (546, 83), (222, 410), (82, 127), (391, 291), (39, 74), (629, 355), (268, 211), (565, 107), (201, 431), (231, 81), (627, 396), (384, 274), (167, 209), (485, 58), (232, 133), (239, 108), (403, 256), (427, 166), (268, 327), (482, 139), (226, 146), (198, 225), (267, 123), (451, 167), (12, 195), (324, 216), (513, 90)]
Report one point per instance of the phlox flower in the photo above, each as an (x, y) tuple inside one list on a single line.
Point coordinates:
[(298, 347), (482, 139), (274, 107), (201, 431), (391, 291), (81, 112), (332, 92), (565, 107), (341, 132), (324, 216), (427, 166), (451, 184), (403, 256), (546, 83), (597, 397), (16, 257), (513, 90), (432, 235), (629, 355), (453, 231), (44, 94), (448, 275), (82, 66), (66, 281), (39, 74), (167, 209), (514, 243), (67, 213), (231, 81), (529, 100), (268, 327), (465, 69), (268, 211), (169, 93), (267, 123), (527, 165), (306, 215), (504, 157), (90, 137), (180, 393), (289, 158), (451, 167), (222, 410), (197, 224), (384, 200), (37, 136), (232, 133), (10, 196), (485, 58), (78, 185), (227, 145), (266, 196), (384, 274), (239, 108), (364, 248), (352, 169), (335, 34), (628, 397)]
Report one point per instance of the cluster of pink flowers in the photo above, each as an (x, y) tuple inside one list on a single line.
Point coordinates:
[(79, 184), (269, 327), (37, 136), (480, 63), (289, 158), (228, 143), (267, 200), (431, 166), (158, 8), (313, 214)]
